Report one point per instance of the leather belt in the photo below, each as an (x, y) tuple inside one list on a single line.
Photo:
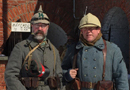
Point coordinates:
[(41, 83), (89, 85)]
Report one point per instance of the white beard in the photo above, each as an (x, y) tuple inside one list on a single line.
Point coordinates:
[(38, 37), (41, 36)]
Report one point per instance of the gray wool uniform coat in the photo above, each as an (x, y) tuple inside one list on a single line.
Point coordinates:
[(43, 54), (90, 64)]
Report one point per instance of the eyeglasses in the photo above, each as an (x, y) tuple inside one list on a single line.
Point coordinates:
[(90, 28), (40, 25)]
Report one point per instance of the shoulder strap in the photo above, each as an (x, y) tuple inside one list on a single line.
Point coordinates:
[(104, 57), (31, 53), (75, 59), (54, 58)]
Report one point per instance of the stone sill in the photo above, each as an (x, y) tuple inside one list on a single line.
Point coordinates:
[(3, 57)]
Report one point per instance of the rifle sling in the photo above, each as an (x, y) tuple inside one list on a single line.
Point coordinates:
[(75, 58), (104, 61), (31, 52)]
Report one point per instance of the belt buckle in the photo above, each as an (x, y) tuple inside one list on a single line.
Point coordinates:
[(90, 85)]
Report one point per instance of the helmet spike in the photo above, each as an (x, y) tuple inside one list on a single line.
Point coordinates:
[(40, 17), (40, 9)]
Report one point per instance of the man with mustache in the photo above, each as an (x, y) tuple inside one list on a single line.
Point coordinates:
[(34, 63), (98, 64)]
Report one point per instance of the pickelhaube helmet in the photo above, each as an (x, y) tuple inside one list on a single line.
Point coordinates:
[(40, 17), (35, 69), (89, 20)]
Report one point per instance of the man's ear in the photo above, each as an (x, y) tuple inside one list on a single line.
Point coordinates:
[(81, 31), (47, 26), (99, 30)]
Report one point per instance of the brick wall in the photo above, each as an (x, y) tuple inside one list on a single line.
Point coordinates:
[(3, 62), (1, 26), (2, 82)]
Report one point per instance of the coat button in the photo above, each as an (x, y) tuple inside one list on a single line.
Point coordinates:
[(84, 58), (85, 66), (95, 76), (86, 50), (94, 67), (94, 59), (85, 75)]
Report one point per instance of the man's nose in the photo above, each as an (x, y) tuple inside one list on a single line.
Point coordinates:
[(39, 27), (88, 30)]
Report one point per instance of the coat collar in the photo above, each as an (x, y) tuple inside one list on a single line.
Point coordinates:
[(32, 42), (99, 44)]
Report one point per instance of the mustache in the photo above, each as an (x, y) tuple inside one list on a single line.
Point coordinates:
[(39, 31)]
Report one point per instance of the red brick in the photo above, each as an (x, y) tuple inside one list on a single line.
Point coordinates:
[(3, 87), (10, 2), (19, 9), (23, 19), (0, 18), (12, 13), (1, 10), (1, 32), (33, 5), (10, 17), (19, 1), (16, 19), (23, 8), (1, 14), (31, 15), (1, 4), (1, 76), (15, 12), (28, 7), (27, 17), (1, 23), (9, 32)]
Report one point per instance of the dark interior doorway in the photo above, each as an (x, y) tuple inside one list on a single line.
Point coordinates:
[(115, 28)]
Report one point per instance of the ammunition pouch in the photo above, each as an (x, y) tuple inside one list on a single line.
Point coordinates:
[(29, 82), (105, 85), (88, 85), (54, 82), (75, 84)]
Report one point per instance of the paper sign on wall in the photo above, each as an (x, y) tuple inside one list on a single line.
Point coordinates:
[(20, 27)]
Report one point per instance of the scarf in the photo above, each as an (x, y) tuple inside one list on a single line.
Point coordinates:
[(86, 43)]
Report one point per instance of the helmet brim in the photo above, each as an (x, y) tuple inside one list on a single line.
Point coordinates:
[(40, 21), (80, 27)]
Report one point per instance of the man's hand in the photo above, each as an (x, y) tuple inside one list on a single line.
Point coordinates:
[(73, 73)]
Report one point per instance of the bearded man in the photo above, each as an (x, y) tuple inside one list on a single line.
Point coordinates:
[(34, 61)]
